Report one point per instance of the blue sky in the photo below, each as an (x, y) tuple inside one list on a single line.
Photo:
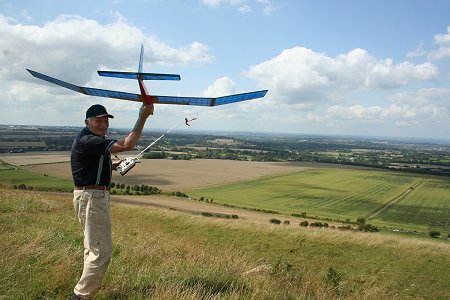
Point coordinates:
[(371, 68)]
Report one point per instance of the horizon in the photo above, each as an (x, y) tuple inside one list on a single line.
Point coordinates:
[(404, 139)]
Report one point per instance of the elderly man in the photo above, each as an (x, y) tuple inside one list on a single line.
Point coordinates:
[(91, 170)]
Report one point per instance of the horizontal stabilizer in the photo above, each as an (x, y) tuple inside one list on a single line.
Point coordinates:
[(144, 76)]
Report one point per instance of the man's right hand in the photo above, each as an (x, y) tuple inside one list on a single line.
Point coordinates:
[(146, 110)]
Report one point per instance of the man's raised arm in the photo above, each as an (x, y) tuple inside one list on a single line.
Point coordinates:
[(130, 141)]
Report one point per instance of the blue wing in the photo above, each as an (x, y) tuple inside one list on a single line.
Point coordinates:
[(196, 101), (200, 101), (87, 90), (144, 76)]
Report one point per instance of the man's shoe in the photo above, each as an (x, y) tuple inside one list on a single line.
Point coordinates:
[(75, 297)]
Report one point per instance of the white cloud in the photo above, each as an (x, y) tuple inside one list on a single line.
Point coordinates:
[(430, 105), (443, 42), (424, 106), (443, 39), (418, 52), (26, 15), (357, 112), (243, 6), (62, 48), (299, 75), (221, 87), (245, 9)]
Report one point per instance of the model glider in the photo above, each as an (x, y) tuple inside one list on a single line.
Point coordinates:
[(187, 121), (145, 96)]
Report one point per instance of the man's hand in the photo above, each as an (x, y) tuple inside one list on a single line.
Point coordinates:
[(115, 164), (146, 110)]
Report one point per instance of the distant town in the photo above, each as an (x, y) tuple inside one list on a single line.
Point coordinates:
[(411, 155)]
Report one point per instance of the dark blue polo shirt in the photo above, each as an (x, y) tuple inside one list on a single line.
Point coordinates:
[(90, 159)]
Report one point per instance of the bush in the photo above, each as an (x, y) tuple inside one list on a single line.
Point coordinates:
[(345, 227), (361, 221), (304, 223), (302, 215), (286, 222), (368, 228), (318, 224), (435, 234), (275, 221)]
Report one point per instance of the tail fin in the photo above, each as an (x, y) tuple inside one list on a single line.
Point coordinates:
[(141, 59)]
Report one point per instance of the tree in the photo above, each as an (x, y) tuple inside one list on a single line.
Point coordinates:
[(360, 221), (435, 234)]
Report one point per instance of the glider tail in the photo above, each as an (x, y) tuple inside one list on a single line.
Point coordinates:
[(139, 73), (141, 59)]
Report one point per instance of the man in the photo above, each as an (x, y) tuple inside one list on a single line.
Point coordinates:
[(91, 170)]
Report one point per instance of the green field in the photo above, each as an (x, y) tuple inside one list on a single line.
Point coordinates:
[(336, 194), (342, 194), (428, 205), (14, 177), (170, 255)]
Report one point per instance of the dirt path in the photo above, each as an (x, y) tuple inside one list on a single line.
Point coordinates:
[(198, 207), (395, 200)]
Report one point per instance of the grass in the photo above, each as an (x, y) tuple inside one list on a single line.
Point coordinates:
[(14, 176), (169, 255)]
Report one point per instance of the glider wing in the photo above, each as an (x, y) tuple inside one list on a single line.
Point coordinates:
[(87, 90), (201, 101), (195, 101)]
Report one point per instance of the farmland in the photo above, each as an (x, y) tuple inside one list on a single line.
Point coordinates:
[(342, 194), (428, 205), (315, 190), (17, 177), (165, 249), (325, 192)]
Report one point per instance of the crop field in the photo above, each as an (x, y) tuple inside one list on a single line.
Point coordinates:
[(427, 205), (315, 189), (38, 157), (326, 192), (11, 177), (167, 175), (342, 194)]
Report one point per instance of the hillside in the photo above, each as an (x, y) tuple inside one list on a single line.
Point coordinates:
[(170, 255)]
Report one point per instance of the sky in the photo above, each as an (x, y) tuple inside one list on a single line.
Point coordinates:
[(348, 67)]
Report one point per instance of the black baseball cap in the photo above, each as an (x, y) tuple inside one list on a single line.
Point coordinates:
[(97, 110)]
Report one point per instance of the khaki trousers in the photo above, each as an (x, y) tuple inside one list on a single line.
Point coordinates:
[(92, 209)]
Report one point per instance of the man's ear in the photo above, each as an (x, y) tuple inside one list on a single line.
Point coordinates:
[(86, 122)]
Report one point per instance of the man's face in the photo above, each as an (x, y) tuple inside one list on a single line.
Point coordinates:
[(98, 125)]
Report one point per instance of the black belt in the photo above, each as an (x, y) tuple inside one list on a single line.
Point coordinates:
[(92, 187)]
